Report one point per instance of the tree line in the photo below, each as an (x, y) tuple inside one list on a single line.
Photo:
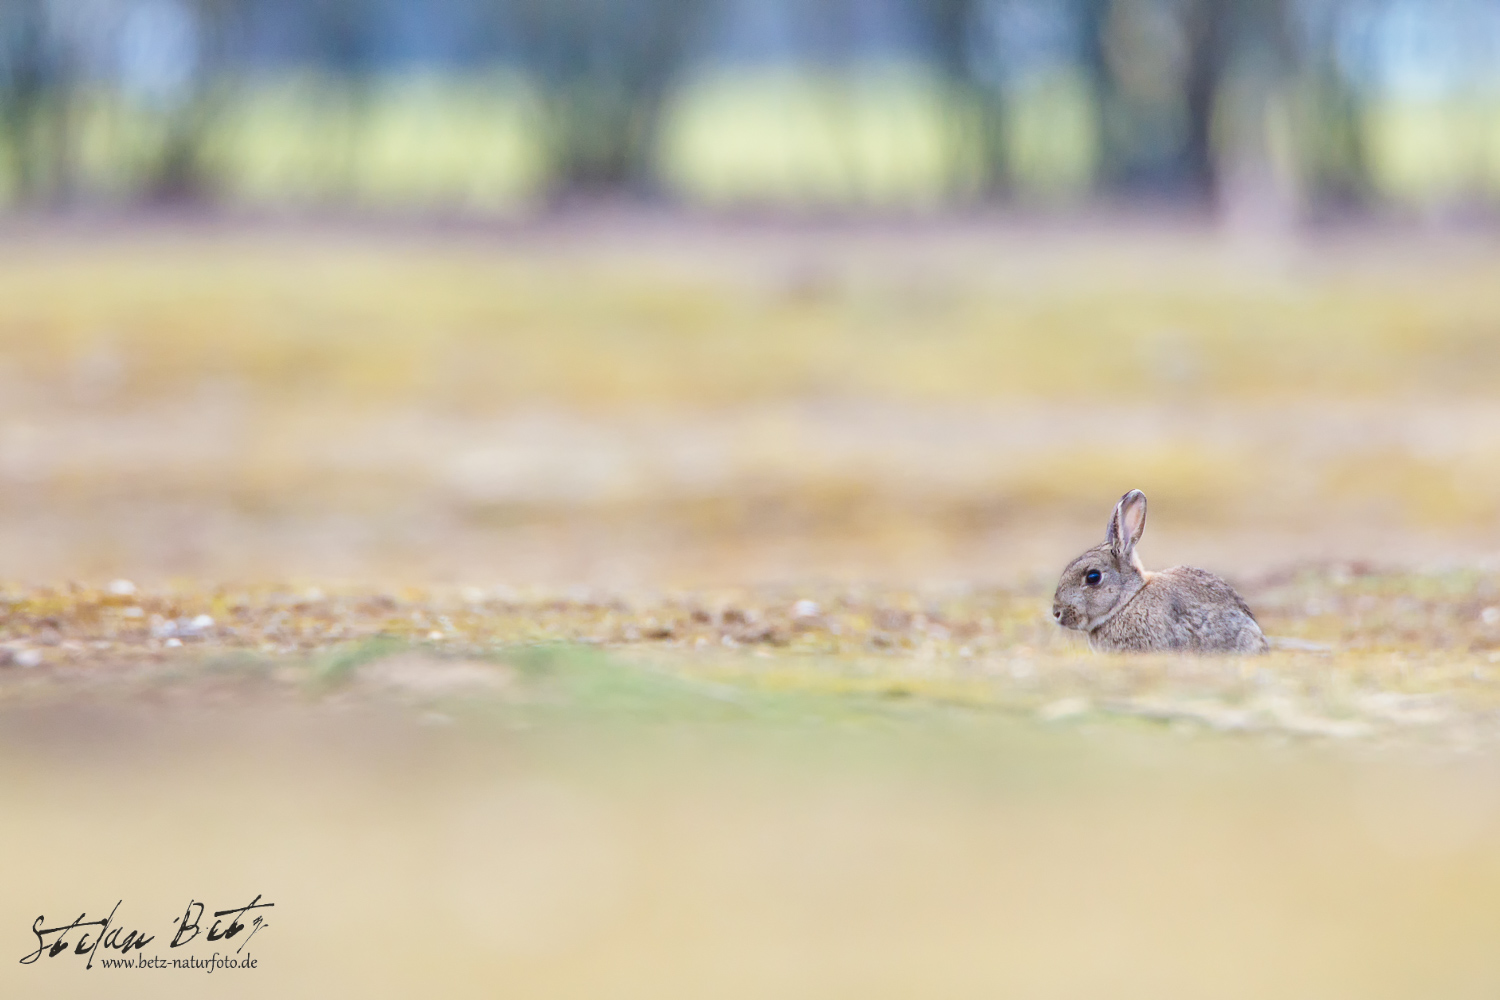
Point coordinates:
[(1182, 90)]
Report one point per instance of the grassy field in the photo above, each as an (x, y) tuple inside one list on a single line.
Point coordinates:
[(644, 606), (633, 403)]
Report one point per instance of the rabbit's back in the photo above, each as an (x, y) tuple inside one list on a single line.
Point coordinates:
[(1183, 609)]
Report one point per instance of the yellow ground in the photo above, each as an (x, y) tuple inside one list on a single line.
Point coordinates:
[(628, 607)]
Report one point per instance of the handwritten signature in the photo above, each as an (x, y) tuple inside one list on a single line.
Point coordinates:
[(106, 934)]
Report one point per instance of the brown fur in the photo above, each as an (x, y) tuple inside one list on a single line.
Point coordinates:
[(1183, 609)]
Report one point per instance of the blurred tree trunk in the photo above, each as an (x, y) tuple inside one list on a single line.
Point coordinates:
[(975, 96), (1206, 25), (604, 69), (1339, 177), (1331, 133), (344, 34), (1218, 38), (1094, 21), (182, 173), (1252, 185), (31, 99)]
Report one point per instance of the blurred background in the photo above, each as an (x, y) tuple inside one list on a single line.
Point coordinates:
[(1268, 108), (651, 292)]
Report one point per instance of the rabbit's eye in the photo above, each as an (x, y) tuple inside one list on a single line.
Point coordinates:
[(1092, 578)]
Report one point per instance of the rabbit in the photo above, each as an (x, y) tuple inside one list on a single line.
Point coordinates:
[(1107, 593)]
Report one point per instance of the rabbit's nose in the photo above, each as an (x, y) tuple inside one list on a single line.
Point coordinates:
[(1057, 612)]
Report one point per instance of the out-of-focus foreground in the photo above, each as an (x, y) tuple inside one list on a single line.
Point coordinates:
[(568, 824)]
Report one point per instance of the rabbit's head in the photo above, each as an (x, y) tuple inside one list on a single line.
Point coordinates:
[(1099, 582)]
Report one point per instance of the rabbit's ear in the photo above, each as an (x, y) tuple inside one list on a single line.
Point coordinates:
[(1126, 524)]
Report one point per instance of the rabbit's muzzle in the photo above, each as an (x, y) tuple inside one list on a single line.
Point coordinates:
[(1066, 617)]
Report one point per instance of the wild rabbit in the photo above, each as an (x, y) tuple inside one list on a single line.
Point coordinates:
[(1107, 593)]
